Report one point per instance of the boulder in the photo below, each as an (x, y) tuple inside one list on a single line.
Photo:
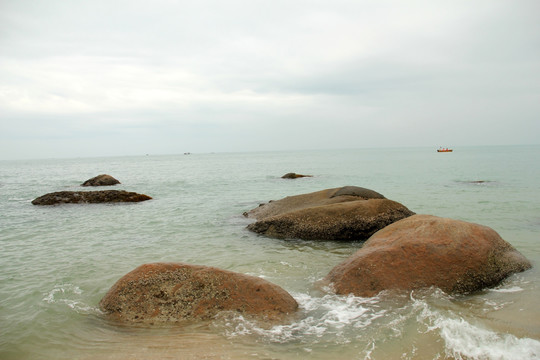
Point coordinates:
[(294, 176), (423, 251), (171, 292), (318, 198), (345, 214), (101, 180), (85, 197), (358, 192)]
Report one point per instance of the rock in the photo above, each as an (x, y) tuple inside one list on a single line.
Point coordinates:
[(423, 251), (294, 176), (318, 198), (357, 191), (349, 221), (170, 292), (85, 197), (348, 213), (101, 180)]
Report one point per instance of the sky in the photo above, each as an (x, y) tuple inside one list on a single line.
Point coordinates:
[(111, 78)]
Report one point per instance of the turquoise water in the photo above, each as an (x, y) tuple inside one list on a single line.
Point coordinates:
[(58, 262)]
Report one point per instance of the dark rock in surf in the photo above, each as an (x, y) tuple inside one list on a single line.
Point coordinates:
[(171, 292), (294, 176), (423, 251), (357, 191), (101, 180), (347, 214), (89, 197)]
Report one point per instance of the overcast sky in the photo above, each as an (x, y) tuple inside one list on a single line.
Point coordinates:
[(100, 78)]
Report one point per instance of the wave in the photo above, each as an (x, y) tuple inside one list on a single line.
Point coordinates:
[(464, 340), (373, 326), (508, 290), (321, 316)]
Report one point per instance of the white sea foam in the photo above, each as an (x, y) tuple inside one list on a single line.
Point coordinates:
[(59, 290), (327, 315), (70, 295), (508, 290), (464, 340)]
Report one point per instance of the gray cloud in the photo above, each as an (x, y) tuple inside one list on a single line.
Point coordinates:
[(175, 76)]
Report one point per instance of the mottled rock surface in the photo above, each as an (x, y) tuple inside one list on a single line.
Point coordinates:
[(101, 180), (170, 292), (423, 251), (357, 191), (318, 198), (294, 176), (87, 197), (347, 214)]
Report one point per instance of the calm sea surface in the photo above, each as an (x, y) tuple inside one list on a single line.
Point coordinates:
[(58, 262)]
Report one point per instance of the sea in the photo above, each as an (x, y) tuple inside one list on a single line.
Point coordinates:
[(57, 262)]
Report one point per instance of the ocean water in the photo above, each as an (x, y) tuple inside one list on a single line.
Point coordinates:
[(58, 262)]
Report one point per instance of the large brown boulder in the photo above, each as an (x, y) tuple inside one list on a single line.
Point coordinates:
[(318, 198), (101, 180), (170, 292), (348, 213), (86, 197), (424, 251)]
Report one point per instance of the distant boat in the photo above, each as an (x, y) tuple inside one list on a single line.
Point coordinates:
[(441, 149)]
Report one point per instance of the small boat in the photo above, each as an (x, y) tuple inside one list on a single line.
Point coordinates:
[(441, 149)]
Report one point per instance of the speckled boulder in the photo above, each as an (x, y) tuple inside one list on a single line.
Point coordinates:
[(89, 197), (317, 198), (423, 251), (101, 180), (349, 213), (170, 292)]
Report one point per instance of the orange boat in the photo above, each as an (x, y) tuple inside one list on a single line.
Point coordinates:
[(444, 150)]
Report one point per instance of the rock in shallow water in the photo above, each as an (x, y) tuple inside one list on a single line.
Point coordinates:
[(89, 197), (294, 176), (101, 180), (357, 191), (349, 213), (170, 292), (424, 251), (317, 198)]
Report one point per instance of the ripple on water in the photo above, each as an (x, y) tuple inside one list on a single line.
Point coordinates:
[(71, 296)]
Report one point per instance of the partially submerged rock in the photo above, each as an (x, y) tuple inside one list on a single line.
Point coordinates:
[(318, 198), (170, 292), (347, 213), (101, 180), (424, 251), (86, 197), (294, 176), (349, 221), (357, 191)]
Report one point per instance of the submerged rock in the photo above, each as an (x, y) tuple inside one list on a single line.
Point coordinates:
[(424, 251), (347, 213), (86, 197), (101, 180), (294, 176), (170, 292)]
